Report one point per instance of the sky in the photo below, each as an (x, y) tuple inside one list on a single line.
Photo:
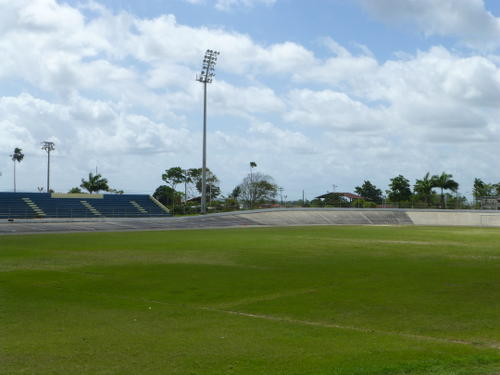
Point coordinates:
[(321, 94)]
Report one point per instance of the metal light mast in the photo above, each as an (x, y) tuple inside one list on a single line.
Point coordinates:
[(48, 146), (206, 76)]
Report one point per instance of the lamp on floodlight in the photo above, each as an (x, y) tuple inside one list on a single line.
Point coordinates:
[(48, 146), (206, 76)]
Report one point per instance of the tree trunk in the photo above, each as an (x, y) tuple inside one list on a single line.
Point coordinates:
[(185, 193), (251, 188), (173, 200)]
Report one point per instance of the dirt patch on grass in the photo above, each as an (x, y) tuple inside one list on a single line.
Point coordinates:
[(267, 297), (490, 345)]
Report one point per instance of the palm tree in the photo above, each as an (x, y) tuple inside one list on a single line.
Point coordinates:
[(95, 183), (252, 166), (482, 189), (425, 186), (173, 176), (16, 156), (445, 182)]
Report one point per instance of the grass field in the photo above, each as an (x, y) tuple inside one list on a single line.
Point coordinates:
[(301, 300)]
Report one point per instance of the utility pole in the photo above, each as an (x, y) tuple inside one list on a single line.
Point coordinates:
[(48, 146), (206, 76)]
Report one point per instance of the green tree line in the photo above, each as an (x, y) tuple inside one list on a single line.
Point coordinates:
[(254, 190), (436, 191)]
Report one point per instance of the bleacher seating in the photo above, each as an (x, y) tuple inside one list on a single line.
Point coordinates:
[(44, 205)]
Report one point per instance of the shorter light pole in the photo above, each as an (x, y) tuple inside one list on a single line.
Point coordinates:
[(48, 146)]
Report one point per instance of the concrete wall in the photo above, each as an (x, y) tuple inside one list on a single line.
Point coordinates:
[(324, 216), (470, 218)]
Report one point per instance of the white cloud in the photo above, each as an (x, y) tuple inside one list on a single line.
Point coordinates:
[(342, 67), (229, 4), (333, 110), (283, 140), (429, 93), (84, 130), (163, 39), (241, 100), (468, 20)]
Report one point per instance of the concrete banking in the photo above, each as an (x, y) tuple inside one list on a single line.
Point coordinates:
[(271, 217)]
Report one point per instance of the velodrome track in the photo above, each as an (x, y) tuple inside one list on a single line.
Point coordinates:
[(272, 217)]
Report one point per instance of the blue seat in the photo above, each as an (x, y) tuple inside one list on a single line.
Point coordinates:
[(32, 205)]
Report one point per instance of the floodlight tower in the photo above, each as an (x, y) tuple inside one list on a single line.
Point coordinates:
[(206, 76), (48, 146)]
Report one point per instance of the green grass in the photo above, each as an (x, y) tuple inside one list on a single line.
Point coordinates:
[(315, 300)]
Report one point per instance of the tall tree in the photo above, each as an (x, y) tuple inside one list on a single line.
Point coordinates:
[(195, 174), (173, 177), (95, 183), (17, 156), (236, 193), (211, 186), (166, 195), (424, 187), (369, 192), (252, 166), (496, 189), (400, 190), (482, 189), (445, 182), (212, 183), (187, 180), (258, 188)]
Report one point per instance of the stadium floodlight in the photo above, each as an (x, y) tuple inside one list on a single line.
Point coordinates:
[(48, 146), (206, 76)]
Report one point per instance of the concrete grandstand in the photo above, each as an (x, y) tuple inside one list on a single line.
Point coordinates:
[(44, 205)]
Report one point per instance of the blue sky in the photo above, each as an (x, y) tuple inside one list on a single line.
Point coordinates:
[(318, 93)]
